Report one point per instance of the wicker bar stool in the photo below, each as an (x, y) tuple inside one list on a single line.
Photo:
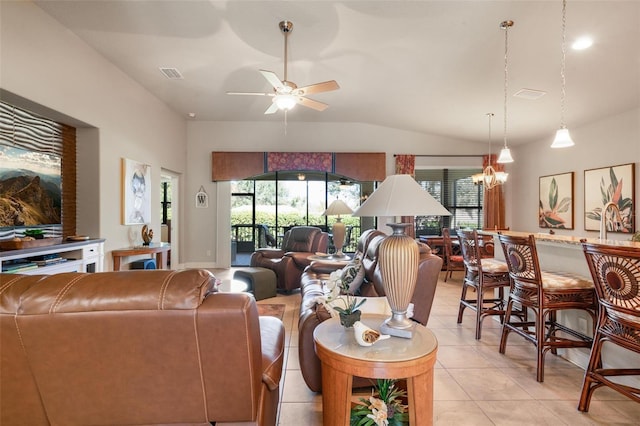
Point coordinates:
[(616, 275), (544, 293), (453, 261), (481, 275)]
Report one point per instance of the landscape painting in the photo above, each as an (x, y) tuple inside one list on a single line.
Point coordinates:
[(30, 188)]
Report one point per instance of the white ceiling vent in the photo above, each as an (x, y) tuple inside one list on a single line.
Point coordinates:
[(171, 73), (529, 94)]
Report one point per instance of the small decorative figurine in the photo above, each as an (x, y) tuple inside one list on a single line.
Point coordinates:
[(147, 235), (366, 336)]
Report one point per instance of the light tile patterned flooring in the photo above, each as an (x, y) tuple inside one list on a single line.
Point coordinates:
[(473, 383)]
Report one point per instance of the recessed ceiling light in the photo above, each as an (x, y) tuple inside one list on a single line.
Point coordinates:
[(582, 43), (192, 115)]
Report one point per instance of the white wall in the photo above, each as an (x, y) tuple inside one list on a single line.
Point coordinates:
[(608, 142), (208, 229), (50, 69)]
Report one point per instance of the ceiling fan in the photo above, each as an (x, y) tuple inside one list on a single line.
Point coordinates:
[(286, 94)]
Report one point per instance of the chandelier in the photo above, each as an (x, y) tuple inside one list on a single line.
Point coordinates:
[(489, 177)]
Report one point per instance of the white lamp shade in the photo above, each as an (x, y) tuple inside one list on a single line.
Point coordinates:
[(336, 208), (401, 195), (505, 156), (562, 139)]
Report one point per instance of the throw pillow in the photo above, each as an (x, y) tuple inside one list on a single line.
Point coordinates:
[(352, 276)]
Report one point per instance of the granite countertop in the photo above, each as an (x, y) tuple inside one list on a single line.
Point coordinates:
[(566, 239)]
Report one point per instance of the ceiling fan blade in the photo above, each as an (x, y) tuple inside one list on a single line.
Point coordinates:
[(273, 108), (310, 103), (251, 93), (273, 79), (318, 88)]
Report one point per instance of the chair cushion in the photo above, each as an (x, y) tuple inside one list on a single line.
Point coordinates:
[(493, 266), (456, 258), (564, 280)]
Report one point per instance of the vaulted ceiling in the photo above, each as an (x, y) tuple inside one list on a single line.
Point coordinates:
[(435, 67)]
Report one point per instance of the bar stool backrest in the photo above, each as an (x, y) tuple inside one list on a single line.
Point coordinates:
[(470, 249), (616, 277), (522, 259)]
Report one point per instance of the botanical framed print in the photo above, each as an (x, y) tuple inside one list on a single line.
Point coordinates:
[(555, 206), (614, 184), (136, 192)]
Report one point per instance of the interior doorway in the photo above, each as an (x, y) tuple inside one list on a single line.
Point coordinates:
[(169, 217)]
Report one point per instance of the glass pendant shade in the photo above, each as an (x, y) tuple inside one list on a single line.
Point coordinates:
[(505, 156), (562, 139)]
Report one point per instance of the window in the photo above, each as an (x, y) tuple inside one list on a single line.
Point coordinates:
[(455, 190)]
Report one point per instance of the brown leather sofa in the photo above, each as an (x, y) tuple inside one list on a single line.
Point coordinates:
[(135, 347), (289, 261), (312, 314)]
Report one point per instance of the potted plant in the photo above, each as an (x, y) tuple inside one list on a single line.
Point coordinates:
[(386, 406), (340, 300)]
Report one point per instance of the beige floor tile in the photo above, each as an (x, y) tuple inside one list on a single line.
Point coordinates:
[(600, 413), (488, 384), (299, 414), (445, 388), (296, 390), (459, 413), (462, 357), (293, 362), (518, 413)]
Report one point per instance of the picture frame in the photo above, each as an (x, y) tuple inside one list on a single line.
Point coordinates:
[(610, 184), (202, 199), (556, 199), (136, 192)]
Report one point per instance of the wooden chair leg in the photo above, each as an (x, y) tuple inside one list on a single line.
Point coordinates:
[(505, 328), (463, 296), (589, 384), (479, 304), (540, 335)]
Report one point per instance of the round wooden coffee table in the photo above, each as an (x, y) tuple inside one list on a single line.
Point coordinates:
[(394, 358)]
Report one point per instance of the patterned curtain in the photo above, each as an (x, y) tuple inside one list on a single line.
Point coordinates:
[(406, 165), (493, 199)]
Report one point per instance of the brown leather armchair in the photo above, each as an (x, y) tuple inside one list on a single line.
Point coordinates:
[(135, 347), (289, 261)]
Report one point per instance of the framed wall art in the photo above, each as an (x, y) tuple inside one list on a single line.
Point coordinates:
[(555, 206), (614, 184), (136, 192)]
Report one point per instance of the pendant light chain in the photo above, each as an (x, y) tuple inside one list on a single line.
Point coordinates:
[(505, 153), (562, 64), (506, 76)]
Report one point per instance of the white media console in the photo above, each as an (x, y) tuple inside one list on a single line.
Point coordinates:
[(81, 256)]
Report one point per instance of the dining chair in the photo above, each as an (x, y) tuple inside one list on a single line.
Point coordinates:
[(453, 262), (616, 276), (482, 275), (544, 293)]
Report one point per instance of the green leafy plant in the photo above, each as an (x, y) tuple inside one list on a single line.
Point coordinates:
[(385, 407), (550, 218)]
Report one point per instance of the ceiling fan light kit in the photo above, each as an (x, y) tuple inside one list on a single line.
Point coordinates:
[(286, 94)]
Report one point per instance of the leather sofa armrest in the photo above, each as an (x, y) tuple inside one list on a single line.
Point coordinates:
[(300, 258), (272, 340), (319, 267), (269, 253)]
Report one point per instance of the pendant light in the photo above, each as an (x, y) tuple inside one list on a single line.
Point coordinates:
[(505, 154), (489, 177), (563, 138)]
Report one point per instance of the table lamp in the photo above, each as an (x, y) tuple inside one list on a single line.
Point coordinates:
[(336, 208), (398, 254)]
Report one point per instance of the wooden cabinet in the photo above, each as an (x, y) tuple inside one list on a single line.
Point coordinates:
[(73, 256)]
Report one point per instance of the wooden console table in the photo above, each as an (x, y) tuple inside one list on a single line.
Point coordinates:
[(159, 249), (393, 358)]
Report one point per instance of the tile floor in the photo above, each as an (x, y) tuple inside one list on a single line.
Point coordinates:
[(473, 383)]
